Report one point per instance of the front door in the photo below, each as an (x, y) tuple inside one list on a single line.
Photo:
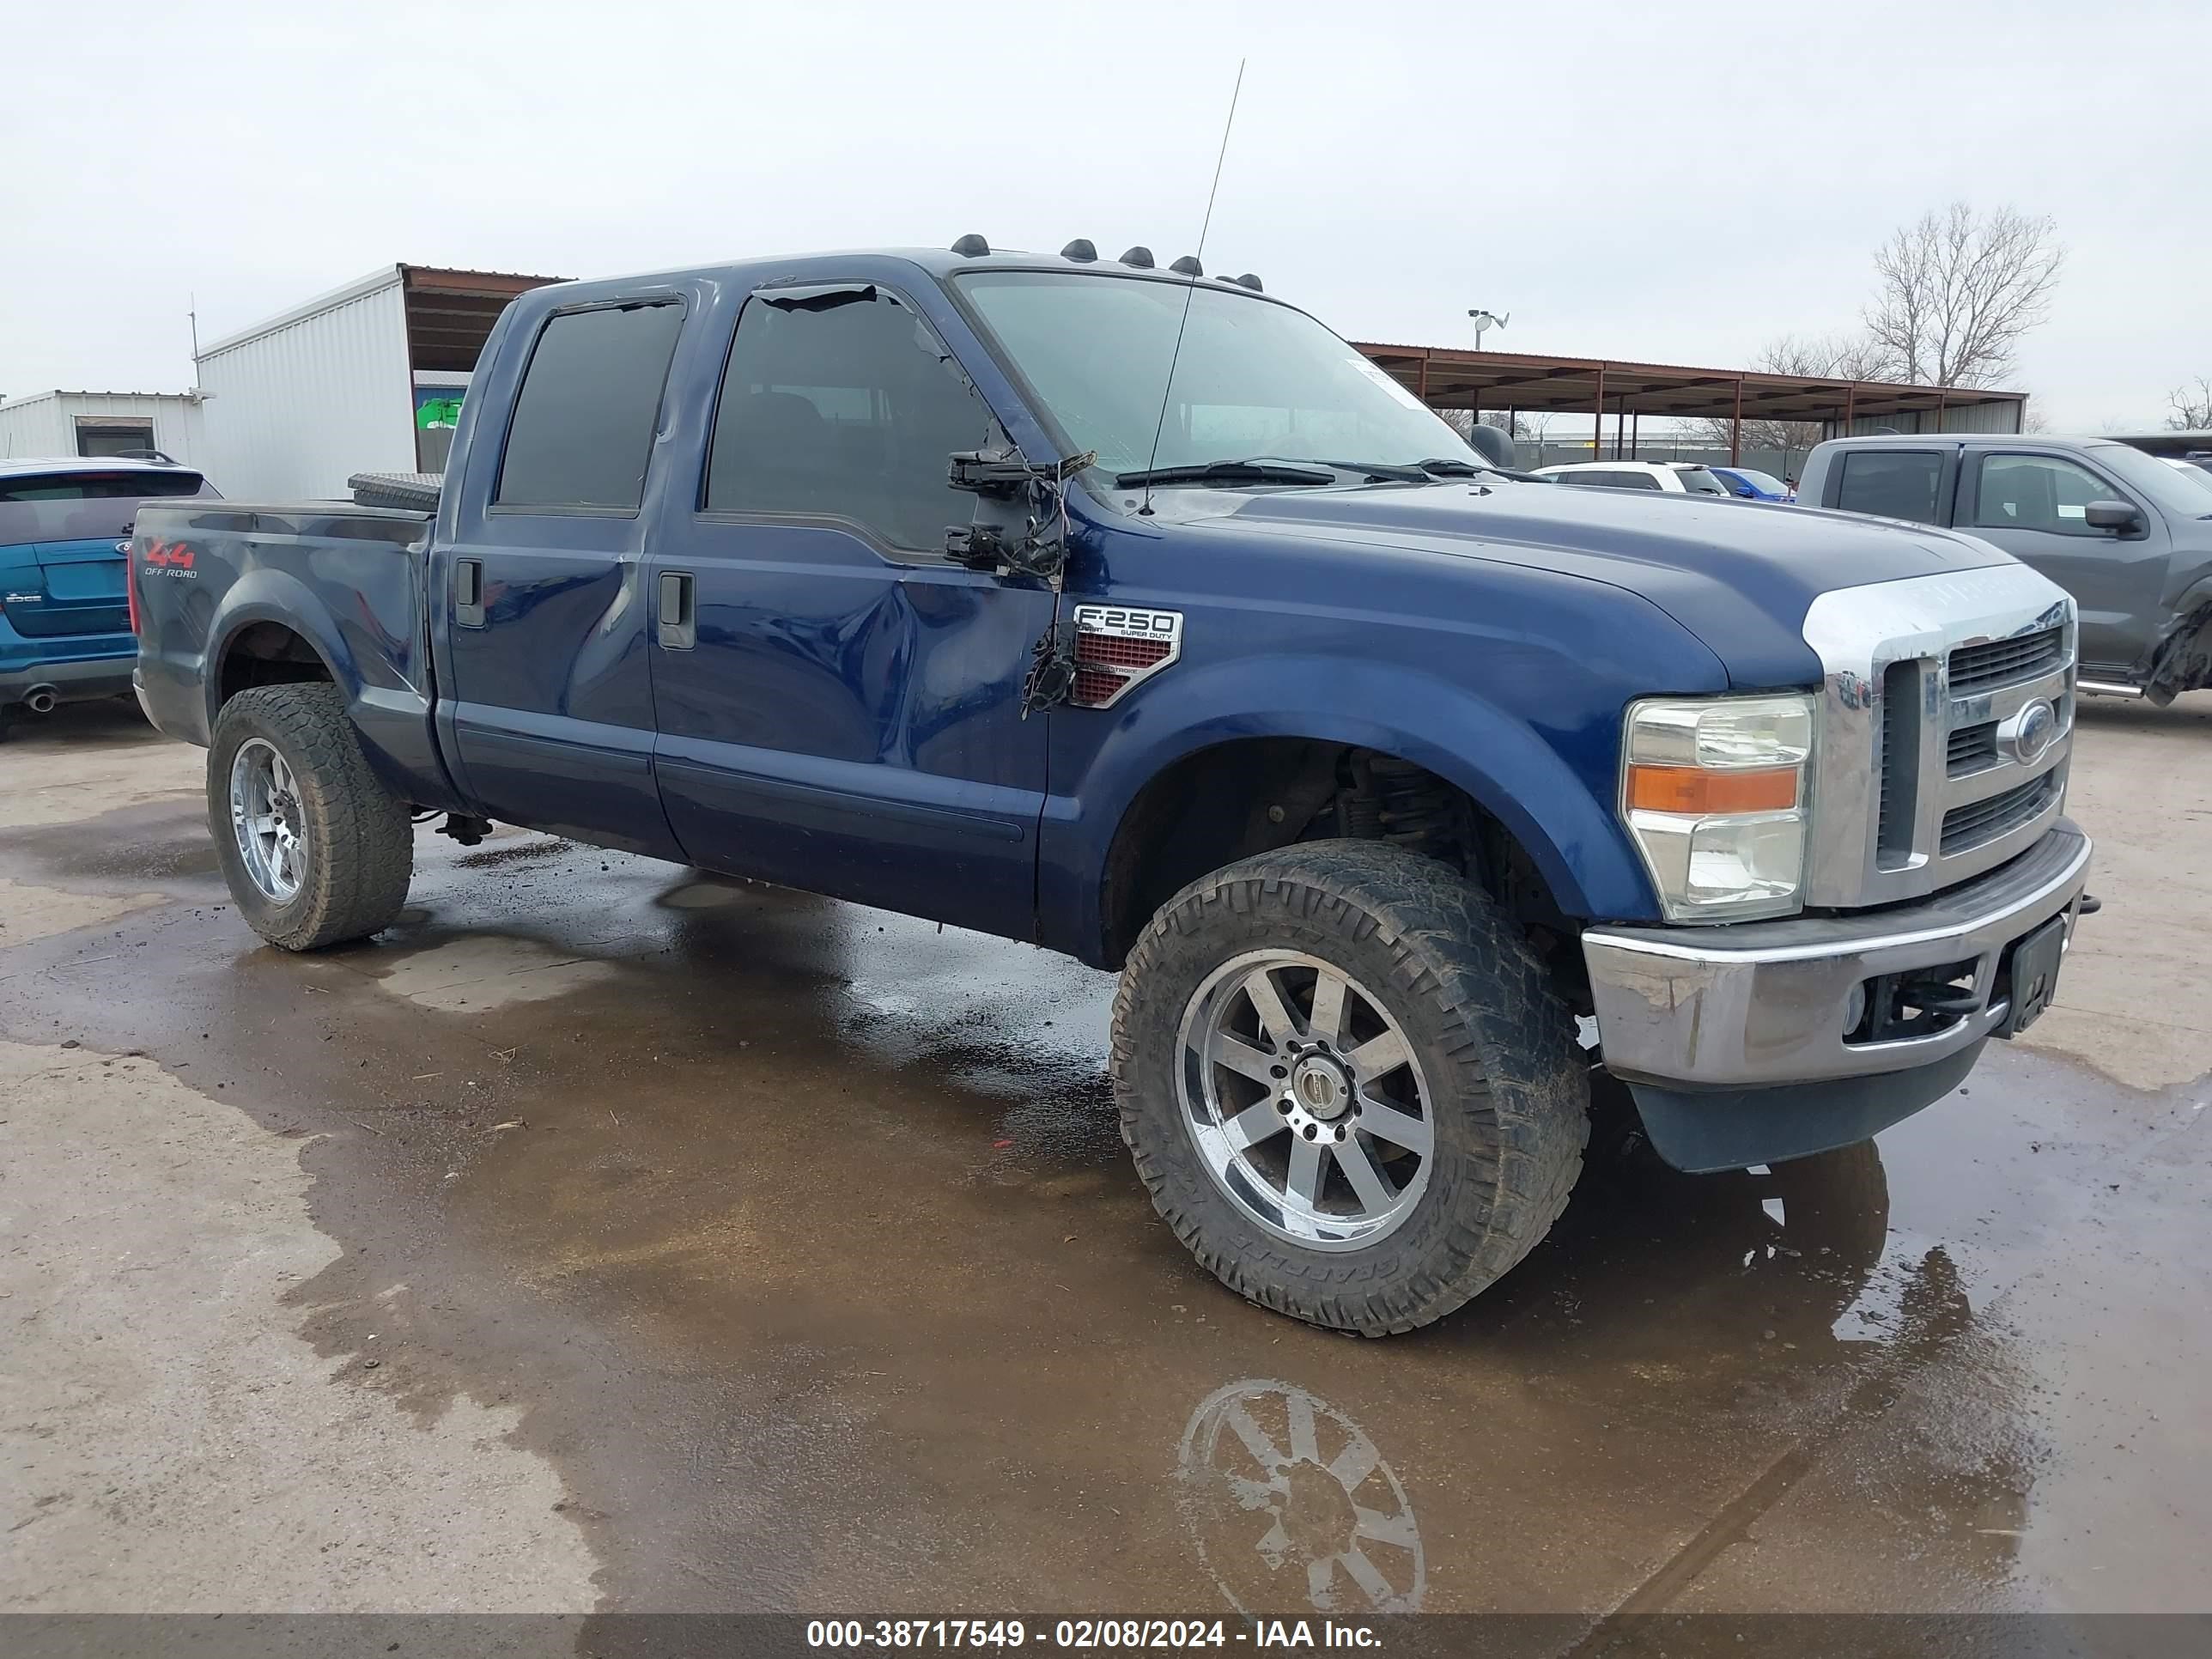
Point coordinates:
[(2033, 507), (549, 700), (839, 707)]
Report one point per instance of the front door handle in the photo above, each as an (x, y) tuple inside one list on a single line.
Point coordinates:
[(676, 621), (468, 593)]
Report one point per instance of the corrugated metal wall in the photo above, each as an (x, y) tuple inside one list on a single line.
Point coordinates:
[(294, 412), (1974, 417), (34, 427), (47, 425)]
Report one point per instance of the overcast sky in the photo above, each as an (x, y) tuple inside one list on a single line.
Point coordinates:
[(1676, 182)]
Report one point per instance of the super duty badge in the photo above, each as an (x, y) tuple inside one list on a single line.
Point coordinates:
[(1116, 646)]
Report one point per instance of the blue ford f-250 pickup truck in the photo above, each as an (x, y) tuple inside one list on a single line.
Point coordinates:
[(1371, 770)]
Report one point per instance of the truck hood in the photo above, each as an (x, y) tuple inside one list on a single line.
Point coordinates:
[(1738, 574)]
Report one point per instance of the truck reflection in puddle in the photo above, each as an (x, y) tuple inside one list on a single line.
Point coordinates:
[(1289, 1501), (1781, 1292)]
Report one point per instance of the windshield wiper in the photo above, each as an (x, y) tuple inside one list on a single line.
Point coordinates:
[(1373, 471), (1228, 473), (1416, 472)]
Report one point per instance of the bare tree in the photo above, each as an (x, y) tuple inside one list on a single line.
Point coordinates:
[(2191, 406), (1957, 290)]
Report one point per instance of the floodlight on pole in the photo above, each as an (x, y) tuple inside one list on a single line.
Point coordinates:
[(1485, 319)]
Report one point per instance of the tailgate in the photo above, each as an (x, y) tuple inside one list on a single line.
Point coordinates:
[(68, 588)]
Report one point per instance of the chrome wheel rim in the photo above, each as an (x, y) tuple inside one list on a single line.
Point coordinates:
[(266, 818), (1304, 1100)]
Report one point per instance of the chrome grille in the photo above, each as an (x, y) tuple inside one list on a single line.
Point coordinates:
[(1917, 783), (2000, 662), (1971, 748), (1900, 764), (1981, 822)]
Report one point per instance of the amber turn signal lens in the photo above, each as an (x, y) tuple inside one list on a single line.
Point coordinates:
[(1694, 790)]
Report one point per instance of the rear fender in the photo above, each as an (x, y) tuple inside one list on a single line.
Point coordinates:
[(371, 651)]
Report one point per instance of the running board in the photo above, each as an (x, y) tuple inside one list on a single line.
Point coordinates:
[(2106, 688)]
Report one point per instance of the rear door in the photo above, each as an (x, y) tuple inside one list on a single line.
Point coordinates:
[(547, 701), (65, 546), (2032, 505)]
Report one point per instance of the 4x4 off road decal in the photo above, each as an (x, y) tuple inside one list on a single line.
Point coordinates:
[(1117, 646)]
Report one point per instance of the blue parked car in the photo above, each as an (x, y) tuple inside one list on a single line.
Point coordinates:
[(65, 631), (1753, 485)]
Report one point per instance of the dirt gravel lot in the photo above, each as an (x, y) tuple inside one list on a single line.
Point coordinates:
[(606, 1237)]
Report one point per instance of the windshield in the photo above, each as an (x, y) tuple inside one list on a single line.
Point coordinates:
[(1765, 483), (2170, 491), (1698, 481), (1253, 378)]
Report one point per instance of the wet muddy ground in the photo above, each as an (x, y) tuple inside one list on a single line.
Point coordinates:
[(609, 1237)]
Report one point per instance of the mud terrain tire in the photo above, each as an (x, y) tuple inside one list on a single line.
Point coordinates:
[(1508, 1089), (356, 840)]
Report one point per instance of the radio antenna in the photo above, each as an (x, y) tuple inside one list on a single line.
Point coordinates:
[(1190, 287)]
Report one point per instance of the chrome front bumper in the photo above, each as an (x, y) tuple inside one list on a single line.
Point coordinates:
[(1762, 1005)]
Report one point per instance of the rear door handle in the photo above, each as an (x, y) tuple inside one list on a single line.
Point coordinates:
[(675, 622), (468, 593)]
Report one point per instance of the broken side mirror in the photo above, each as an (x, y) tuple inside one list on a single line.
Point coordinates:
[(2120, 517), (1028, 504)]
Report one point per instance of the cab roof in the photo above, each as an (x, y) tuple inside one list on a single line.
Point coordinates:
[(859, 263)]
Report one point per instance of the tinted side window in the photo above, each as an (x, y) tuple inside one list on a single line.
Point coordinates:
[(1893, 483), (2038, 492), (584, 419), (843, 403)]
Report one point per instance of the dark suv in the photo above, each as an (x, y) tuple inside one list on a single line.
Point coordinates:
[(2127, 535)]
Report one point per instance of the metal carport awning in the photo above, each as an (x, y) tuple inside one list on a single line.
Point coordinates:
[(450, 313), (1445, 378)]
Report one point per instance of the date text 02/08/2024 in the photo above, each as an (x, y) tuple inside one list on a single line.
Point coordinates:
[(1085, 1634)]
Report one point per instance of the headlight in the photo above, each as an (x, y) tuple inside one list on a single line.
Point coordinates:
[(1713, 792)]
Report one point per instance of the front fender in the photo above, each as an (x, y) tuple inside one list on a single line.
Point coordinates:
[(1521, 776)]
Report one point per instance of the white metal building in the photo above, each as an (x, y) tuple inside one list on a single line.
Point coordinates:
[(360, 379), (44, 423)]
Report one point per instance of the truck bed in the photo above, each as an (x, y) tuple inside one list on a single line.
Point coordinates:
[(230, 594)]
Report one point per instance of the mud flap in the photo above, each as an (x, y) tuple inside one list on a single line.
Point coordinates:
[(1702, 1131)]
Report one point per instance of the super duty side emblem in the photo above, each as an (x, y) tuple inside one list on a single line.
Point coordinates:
[(1117, 646)]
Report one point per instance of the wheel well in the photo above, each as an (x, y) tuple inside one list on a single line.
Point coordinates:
[(1255, 794), (267, 653)]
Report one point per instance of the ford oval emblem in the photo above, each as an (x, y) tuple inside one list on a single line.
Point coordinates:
[(2034, 729), (122, 548)]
